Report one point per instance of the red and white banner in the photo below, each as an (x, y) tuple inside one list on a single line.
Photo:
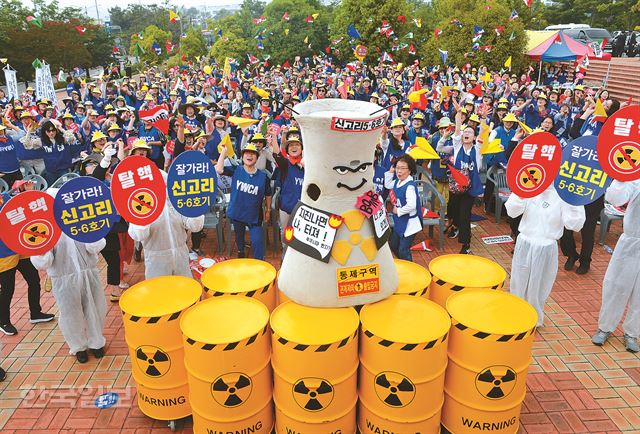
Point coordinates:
[(158, 116)]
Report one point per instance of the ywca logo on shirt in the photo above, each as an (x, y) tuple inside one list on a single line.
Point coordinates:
[(51, 148), (247, 188)]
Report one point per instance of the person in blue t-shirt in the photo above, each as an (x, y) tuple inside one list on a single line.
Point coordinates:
[(250, 187), (57, 153), (155, 139), (291, 170), (394, 144), (9, 164), (407, 210), (466, 157)]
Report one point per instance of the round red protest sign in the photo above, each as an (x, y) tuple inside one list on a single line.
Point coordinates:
[(619, 144), (30, 226), (138, 190), (534, 164)]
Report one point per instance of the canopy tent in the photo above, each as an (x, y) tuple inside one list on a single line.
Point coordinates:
[(560, 47), (537, 37)]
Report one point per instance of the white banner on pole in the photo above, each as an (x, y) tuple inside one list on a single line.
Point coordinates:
[(44, 84), (12, 83)]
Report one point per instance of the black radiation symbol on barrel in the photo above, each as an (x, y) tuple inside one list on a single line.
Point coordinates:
[(152, 361), (231, 390), (496, 382), (394, 389), (313, 394), (36, 234)]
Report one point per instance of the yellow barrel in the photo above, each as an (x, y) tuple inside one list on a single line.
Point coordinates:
[(151, 310), (489, 355), (403, 358), (453, 273), (227, 351), (248, 277), (315, 366), (413, 279)]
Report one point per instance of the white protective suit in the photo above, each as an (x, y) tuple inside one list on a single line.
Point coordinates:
[(165, 243), (73, 269), (621, 284), (535, 259)]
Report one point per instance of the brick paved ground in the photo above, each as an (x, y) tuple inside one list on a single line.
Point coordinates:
[(573, 386)]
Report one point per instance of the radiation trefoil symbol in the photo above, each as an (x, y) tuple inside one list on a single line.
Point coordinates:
[(496, 382), (626, 157), (152, 361), (313, 394), (232, 389), (394, 389)]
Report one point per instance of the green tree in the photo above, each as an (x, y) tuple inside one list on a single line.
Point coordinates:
[(193, 44), (367, 16), (612, 14), (99, 43), (458, 40), (151, 34), (283, 45), (12, 17), (233, 42), (58, 43)]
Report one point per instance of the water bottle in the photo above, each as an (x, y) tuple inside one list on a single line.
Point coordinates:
[(608, 249)]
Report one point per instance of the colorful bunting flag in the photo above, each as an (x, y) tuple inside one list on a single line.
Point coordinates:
[(169, 46), (507, 63), (412, 50), (386, 57), (353, 32), (315, 16), (286, 32), (408, 36), (285, 16), (499, 30), (514, 15), (156, 48), (477, 33), (36, 64), (309, 19), (81, 29), (417, 22), (35, 21), (444, 55), (402, 19), (513, 36), (252, 59), (437, 33), (260, 20), (173, 17), (528, 3)]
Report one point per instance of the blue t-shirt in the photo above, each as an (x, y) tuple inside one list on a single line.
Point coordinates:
[(247, 194), (291, 189), (57, 157), (8, 155), (152, 135)]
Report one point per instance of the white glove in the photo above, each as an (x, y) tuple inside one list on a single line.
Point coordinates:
[(109, 151)]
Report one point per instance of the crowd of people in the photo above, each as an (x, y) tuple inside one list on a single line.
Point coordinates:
[(96, 125)]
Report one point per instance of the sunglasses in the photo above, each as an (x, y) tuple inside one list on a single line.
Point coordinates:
[(50, 130)]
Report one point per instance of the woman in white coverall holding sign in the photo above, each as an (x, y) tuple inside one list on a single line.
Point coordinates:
[(621, 286), (73, 269), (535, 259)]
